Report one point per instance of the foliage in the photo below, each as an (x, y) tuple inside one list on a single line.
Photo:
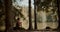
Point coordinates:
[(17, 13), (45, 4)]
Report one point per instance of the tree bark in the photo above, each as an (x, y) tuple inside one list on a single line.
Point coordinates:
[(30, 22), (35, 15), (9, 14), (58, 5)]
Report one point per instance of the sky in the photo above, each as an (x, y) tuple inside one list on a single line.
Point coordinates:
[(24, 3)]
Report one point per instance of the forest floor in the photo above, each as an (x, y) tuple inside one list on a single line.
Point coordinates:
[(39, 25)]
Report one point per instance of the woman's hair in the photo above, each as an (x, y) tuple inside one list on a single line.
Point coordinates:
[(17, 25), (18, 19)]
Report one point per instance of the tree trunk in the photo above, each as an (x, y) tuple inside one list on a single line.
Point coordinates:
[(58, 4), (30, 22), (9, 14), (35, 19)]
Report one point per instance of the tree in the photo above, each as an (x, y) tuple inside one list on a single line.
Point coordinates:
[(35, 7), (9, 14), (2, 7), (39, 4), (30, 22), (58, 5)]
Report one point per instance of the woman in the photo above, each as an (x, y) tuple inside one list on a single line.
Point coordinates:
[(18, 27)]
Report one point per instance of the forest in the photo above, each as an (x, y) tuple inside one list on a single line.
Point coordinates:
[(34, 14)]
